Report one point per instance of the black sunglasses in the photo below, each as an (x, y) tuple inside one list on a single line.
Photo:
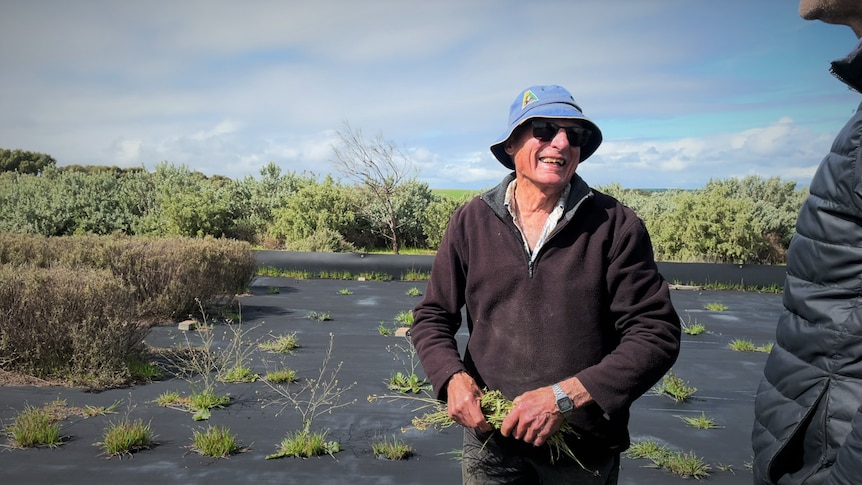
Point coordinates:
[(578, 136)]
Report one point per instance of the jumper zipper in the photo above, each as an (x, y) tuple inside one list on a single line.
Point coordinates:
[(531, 261)]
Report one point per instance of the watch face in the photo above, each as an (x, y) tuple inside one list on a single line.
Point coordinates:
[(565, 405)]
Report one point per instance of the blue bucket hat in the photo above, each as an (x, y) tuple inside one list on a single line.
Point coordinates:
[(545, 102)]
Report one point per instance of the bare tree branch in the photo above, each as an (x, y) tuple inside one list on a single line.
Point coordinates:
[(379, 166)]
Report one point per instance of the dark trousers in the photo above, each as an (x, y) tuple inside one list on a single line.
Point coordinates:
[(494, 459)]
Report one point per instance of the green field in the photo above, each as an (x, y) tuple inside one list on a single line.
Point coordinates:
[(456, 193)]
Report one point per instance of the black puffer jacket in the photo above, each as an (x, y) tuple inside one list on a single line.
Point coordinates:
[(812, 386)]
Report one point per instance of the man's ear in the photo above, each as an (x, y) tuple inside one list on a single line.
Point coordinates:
[(509, 149)]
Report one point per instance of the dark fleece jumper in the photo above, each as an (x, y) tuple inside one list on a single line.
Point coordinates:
[(592, 305)]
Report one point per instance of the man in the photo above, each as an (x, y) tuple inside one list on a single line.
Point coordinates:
[(567, 312), (808, 424)]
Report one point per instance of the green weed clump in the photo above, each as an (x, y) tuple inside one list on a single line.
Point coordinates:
[(126, 437), (382, 329), (414, 275), (673, 386), (404, 318), (394, 450), (281, 344), (716, 307), (693, 328), (207, 399), (215, 441), (282, 273), (239, 374), (407, 381), (143, 370), (767, 348), (282, 376), (305, 443), (742, 345), (401, 382), (170, 398), (335, 275), (34, 427), (699, 422), (318, 316), (686, 465), (375, 276)]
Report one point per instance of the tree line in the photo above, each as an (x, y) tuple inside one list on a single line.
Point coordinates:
[(749, 220)]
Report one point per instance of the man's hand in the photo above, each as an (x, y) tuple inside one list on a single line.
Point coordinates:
[(534, 417), (463, 402)]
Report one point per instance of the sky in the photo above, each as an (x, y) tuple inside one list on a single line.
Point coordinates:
[(684, 91)]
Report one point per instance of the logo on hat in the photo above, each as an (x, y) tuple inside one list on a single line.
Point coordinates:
[(529, 97)]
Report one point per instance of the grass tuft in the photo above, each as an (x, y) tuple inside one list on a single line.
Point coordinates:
[(404, 318), (126, 437), (319, 316), (215, 441), (239, 373), (283, 376), (34, 427), (693, 328), (700, 422), (382, 329), (282, 344), (686, 465), (394, 450), (169, 398), (207, 400), (673, 386), (305, 444)]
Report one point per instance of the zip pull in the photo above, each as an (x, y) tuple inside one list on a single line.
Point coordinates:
[(530, 267)]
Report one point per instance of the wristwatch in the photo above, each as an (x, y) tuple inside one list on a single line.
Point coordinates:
[(564, 402)]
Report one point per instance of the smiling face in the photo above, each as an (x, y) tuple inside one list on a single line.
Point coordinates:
[(548, 165)]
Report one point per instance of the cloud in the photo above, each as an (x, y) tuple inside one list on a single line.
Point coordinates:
[(226, 87), (781, 149)]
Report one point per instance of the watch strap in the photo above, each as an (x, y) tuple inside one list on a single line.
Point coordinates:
[(564, 402)]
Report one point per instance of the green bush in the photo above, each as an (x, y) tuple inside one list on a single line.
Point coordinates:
[(316, 208), (736, 220)]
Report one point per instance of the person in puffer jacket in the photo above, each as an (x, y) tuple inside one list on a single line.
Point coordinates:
[(808, 419)]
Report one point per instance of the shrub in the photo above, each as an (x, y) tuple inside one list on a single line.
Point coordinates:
[(68, 323), (164, 275)]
